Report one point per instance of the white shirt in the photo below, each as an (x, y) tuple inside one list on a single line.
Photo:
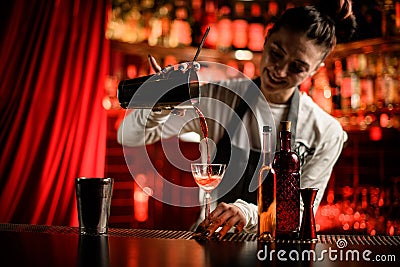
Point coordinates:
[(316, 132)]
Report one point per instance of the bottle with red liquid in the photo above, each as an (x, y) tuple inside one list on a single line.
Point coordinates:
[(287, 168), (266, 194)]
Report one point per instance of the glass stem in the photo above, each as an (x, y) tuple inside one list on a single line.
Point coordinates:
[(207, 209)]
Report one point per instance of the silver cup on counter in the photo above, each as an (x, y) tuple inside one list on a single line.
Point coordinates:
[(94, 201)]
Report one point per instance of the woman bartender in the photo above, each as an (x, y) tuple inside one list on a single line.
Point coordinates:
[(294, 49)]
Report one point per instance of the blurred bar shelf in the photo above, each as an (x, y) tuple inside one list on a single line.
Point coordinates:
[(375, 45), (185, 53)]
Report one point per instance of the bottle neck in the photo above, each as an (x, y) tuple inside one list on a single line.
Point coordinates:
[(285, 137), (266, 150)]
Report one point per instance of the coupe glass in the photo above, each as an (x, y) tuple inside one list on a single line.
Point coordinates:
[(208, 177)]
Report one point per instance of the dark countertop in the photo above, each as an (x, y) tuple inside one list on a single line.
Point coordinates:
[(38, 245)]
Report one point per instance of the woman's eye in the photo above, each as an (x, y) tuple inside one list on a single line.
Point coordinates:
[(276, 54), (295, 69)]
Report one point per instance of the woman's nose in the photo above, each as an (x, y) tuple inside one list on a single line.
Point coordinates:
[(281, 69)]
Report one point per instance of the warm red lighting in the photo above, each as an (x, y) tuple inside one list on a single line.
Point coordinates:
[(375, 133), (159, 164), (289, 5), (306, 85), (369, 119), (384, 120), (224, 28), (349, 210), (131, 71), (373, 232), (141, 198), (141, 204), (273, 8), (331, 196), (54, 127), (140, 179), (391, 230), (249, 69), (267, 28), (106, 103), (170, 60), (234, 67), (256, 30), (240, 37), (338, 65)]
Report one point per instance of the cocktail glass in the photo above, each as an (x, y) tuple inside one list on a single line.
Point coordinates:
[(208, 176)]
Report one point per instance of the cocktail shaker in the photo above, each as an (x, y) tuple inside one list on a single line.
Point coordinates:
[(170, 88)]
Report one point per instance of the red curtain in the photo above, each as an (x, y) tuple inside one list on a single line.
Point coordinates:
[(54, 60)]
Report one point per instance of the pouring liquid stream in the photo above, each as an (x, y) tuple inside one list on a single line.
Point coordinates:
[(204, 129), (202, 118)]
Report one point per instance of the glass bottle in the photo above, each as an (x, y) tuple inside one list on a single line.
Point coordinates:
[(336, 85), (266, 198), (287, 168), (350, 90), (160, 26), (321, 92), (366, 82)]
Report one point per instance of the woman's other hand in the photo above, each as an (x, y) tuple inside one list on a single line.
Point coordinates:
[(225, 216)]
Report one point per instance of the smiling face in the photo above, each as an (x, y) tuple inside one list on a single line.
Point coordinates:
[(288, 59)]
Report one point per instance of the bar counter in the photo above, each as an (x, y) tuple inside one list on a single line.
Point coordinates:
[(38, 245)]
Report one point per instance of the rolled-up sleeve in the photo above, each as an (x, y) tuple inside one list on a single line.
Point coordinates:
[(250, 212), (144, 127)]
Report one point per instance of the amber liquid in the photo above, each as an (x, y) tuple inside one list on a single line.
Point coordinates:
[(266, 205)]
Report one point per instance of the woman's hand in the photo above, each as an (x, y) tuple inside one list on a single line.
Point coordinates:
[(225, 216)]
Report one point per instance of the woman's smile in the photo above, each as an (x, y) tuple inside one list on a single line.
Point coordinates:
[(273, 79)]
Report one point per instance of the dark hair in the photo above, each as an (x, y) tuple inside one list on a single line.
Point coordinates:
[(327, 22)]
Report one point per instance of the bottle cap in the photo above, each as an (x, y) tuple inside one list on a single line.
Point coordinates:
[(285, 125), (267, 129)]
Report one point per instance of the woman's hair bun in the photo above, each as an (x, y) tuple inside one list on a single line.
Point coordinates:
[(341, 13)]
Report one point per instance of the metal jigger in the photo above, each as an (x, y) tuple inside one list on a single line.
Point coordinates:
[(307, 230)]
